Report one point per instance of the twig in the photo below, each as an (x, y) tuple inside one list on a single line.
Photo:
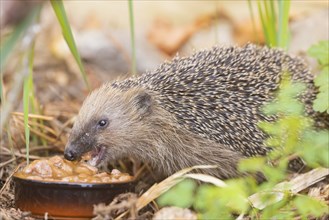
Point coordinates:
[(21, 155), (71, 120), (42, 117), (41, 126), (39, 148), (7, 162), (291, 187), (50, 139), (36, 148)]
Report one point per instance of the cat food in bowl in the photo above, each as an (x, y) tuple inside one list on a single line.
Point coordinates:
[(66, 190)]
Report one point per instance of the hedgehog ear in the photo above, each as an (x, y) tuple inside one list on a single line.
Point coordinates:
[(143, 103)]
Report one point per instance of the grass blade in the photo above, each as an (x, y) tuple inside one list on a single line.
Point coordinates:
[(283, 23), (273, 13), (262, 19), (132, 36), (268, 23), (27, 90), (68, 36), (275, 26), (272, 22), (26, 119)]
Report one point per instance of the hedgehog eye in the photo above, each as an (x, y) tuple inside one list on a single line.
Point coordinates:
[(102, 123)]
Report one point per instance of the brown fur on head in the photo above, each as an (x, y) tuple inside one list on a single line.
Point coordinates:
[(136, 126), (123, 113)]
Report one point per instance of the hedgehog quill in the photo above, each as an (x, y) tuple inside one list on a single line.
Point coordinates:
[(201, 109)]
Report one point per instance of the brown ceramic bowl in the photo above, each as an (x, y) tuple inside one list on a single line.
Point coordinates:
[(65, 200)]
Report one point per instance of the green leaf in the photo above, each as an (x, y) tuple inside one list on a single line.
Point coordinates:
[(282, 214), (273, 174), (308, 206), (323, 78), (252, 164), (271, 211), (286, 102), (273, 142), (235, 195), (314, 148), (209, 204), (232, 198), (180, 195), (321, 103), (271, 128), (68, 36), (206, 193), (290, 89), (320, 52)]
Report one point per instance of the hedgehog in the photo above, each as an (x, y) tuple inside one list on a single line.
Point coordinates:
[(197, 110)]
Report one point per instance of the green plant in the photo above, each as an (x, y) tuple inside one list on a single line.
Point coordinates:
[(320, 51), (28, 95), (132, 37), (274, 17)]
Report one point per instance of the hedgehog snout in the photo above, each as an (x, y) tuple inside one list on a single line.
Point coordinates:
[(72, 151), (70, 155)]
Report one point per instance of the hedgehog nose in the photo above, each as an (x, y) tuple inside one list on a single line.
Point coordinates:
[(70, 155)]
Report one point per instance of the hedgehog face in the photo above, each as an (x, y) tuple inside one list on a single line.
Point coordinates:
[(108, 124)]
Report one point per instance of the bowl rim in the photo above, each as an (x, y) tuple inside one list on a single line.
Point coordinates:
[(73, 184)]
